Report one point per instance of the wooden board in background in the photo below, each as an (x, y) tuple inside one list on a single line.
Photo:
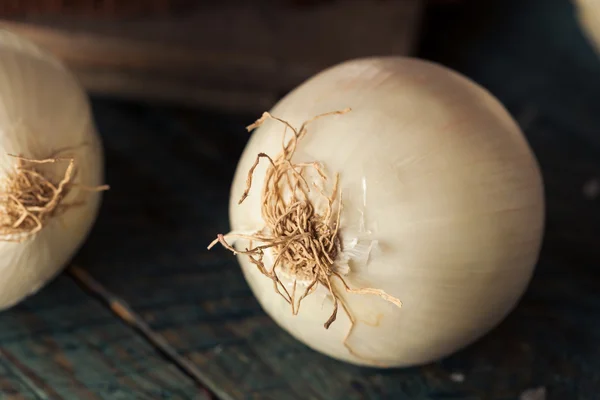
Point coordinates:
[(231, 55)]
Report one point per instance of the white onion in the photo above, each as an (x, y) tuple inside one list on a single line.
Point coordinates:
[(443, 209), (44, 114), (588, 15)]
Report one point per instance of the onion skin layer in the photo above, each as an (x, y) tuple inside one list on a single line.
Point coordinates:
[(438, 175)]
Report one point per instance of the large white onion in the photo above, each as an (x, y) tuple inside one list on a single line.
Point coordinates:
[(442, 209), (44, 113)]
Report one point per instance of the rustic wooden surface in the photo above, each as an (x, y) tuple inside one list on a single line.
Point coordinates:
[(66, 345), (170, 172), (231, 55)]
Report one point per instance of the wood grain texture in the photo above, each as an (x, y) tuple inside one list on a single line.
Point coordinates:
[(62, 344), (230, 55)]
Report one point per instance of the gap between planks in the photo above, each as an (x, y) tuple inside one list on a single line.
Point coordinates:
[(125, 313)]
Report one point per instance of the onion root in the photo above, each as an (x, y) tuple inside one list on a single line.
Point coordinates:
[(304, 242), (28, 198)]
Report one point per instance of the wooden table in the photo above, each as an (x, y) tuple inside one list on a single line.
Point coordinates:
[(148, 313)]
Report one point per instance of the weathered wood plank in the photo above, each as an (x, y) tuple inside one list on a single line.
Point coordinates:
[(231, 55), (61, 344)]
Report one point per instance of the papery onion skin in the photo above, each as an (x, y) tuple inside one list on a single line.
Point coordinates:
[(438, 178), (44, 113)]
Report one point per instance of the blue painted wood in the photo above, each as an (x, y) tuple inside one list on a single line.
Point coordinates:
[(62, 344), (170, 171)]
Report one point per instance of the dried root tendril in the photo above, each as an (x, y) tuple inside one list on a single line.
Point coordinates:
[(28, 199), (303, 242)]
